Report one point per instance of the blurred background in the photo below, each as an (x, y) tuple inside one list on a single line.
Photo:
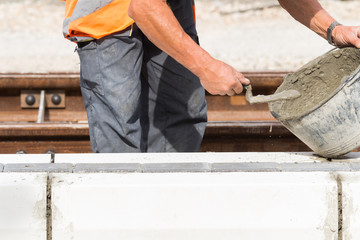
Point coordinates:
[(255, 35)]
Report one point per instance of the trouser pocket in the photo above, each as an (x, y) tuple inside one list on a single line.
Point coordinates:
[(90, 68)]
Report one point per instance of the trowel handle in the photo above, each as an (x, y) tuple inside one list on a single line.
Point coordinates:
[(285, 95), (248, 94), (248, 88)]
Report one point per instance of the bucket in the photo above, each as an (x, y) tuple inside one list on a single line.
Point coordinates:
[(326, 117)]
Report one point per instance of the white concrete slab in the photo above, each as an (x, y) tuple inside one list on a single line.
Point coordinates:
[(251, 206), (25, 158), (23, 206), (350, 205), (278, 157)]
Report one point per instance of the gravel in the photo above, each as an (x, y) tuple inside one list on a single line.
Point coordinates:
[(250, 35)]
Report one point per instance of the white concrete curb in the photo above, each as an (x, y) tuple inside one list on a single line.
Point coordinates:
[(179, 196)]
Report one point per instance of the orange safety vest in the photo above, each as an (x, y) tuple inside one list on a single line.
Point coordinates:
[(89, 19), (92, 19)]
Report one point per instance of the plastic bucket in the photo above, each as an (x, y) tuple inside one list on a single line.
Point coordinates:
[(327, 115)]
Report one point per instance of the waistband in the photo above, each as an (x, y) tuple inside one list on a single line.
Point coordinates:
[(127, 32)]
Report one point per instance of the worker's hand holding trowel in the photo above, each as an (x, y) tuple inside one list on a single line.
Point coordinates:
[(220, 78)]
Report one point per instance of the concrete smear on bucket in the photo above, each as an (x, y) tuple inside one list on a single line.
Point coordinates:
[(317, 82)]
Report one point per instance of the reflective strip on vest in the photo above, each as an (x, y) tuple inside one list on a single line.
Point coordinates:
[(94, 19)]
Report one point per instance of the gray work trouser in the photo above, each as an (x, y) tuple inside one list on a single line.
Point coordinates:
[(138, 99)]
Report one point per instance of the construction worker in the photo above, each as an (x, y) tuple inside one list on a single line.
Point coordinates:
[(143, 73), (138, 98)]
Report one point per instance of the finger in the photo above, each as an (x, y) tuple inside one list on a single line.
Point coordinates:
[(356, 43), (222, 93), (242, 79), (245, 81), (354, 40), (231, 93), (238, 88)]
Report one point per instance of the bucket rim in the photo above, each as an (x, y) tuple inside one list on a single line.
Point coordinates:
[(347, 80)]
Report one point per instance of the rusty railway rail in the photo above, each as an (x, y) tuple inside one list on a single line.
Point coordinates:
[(234, 125)]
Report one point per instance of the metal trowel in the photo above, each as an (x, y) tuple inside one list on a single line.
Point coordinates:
[(285, 95)]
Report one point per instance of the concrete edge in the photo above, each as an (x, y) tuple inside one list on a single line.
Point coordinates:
[(106, 167), (176, 167), (38, 167), (181, 167)]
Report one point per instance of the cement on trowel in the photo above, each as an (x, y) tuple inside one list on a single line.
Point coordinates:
[(317, 82), (289, 94)]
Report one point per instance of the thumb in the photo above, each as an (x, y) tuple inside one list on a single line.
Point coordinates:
[(245, 81)]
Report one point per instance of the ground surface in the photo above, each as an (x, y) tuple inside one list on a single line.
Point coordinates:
[(231, 30)]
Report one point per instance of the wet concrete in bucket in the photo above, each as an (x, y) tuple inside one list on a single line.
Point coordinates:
[(317, 81)]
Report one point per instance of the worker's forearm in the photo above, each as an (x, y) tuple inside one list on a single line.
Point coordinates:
[(310, 13), (158, 23)]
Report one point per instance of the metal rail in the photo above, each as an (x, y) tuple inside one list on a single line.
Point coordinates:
[(234, 125)]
